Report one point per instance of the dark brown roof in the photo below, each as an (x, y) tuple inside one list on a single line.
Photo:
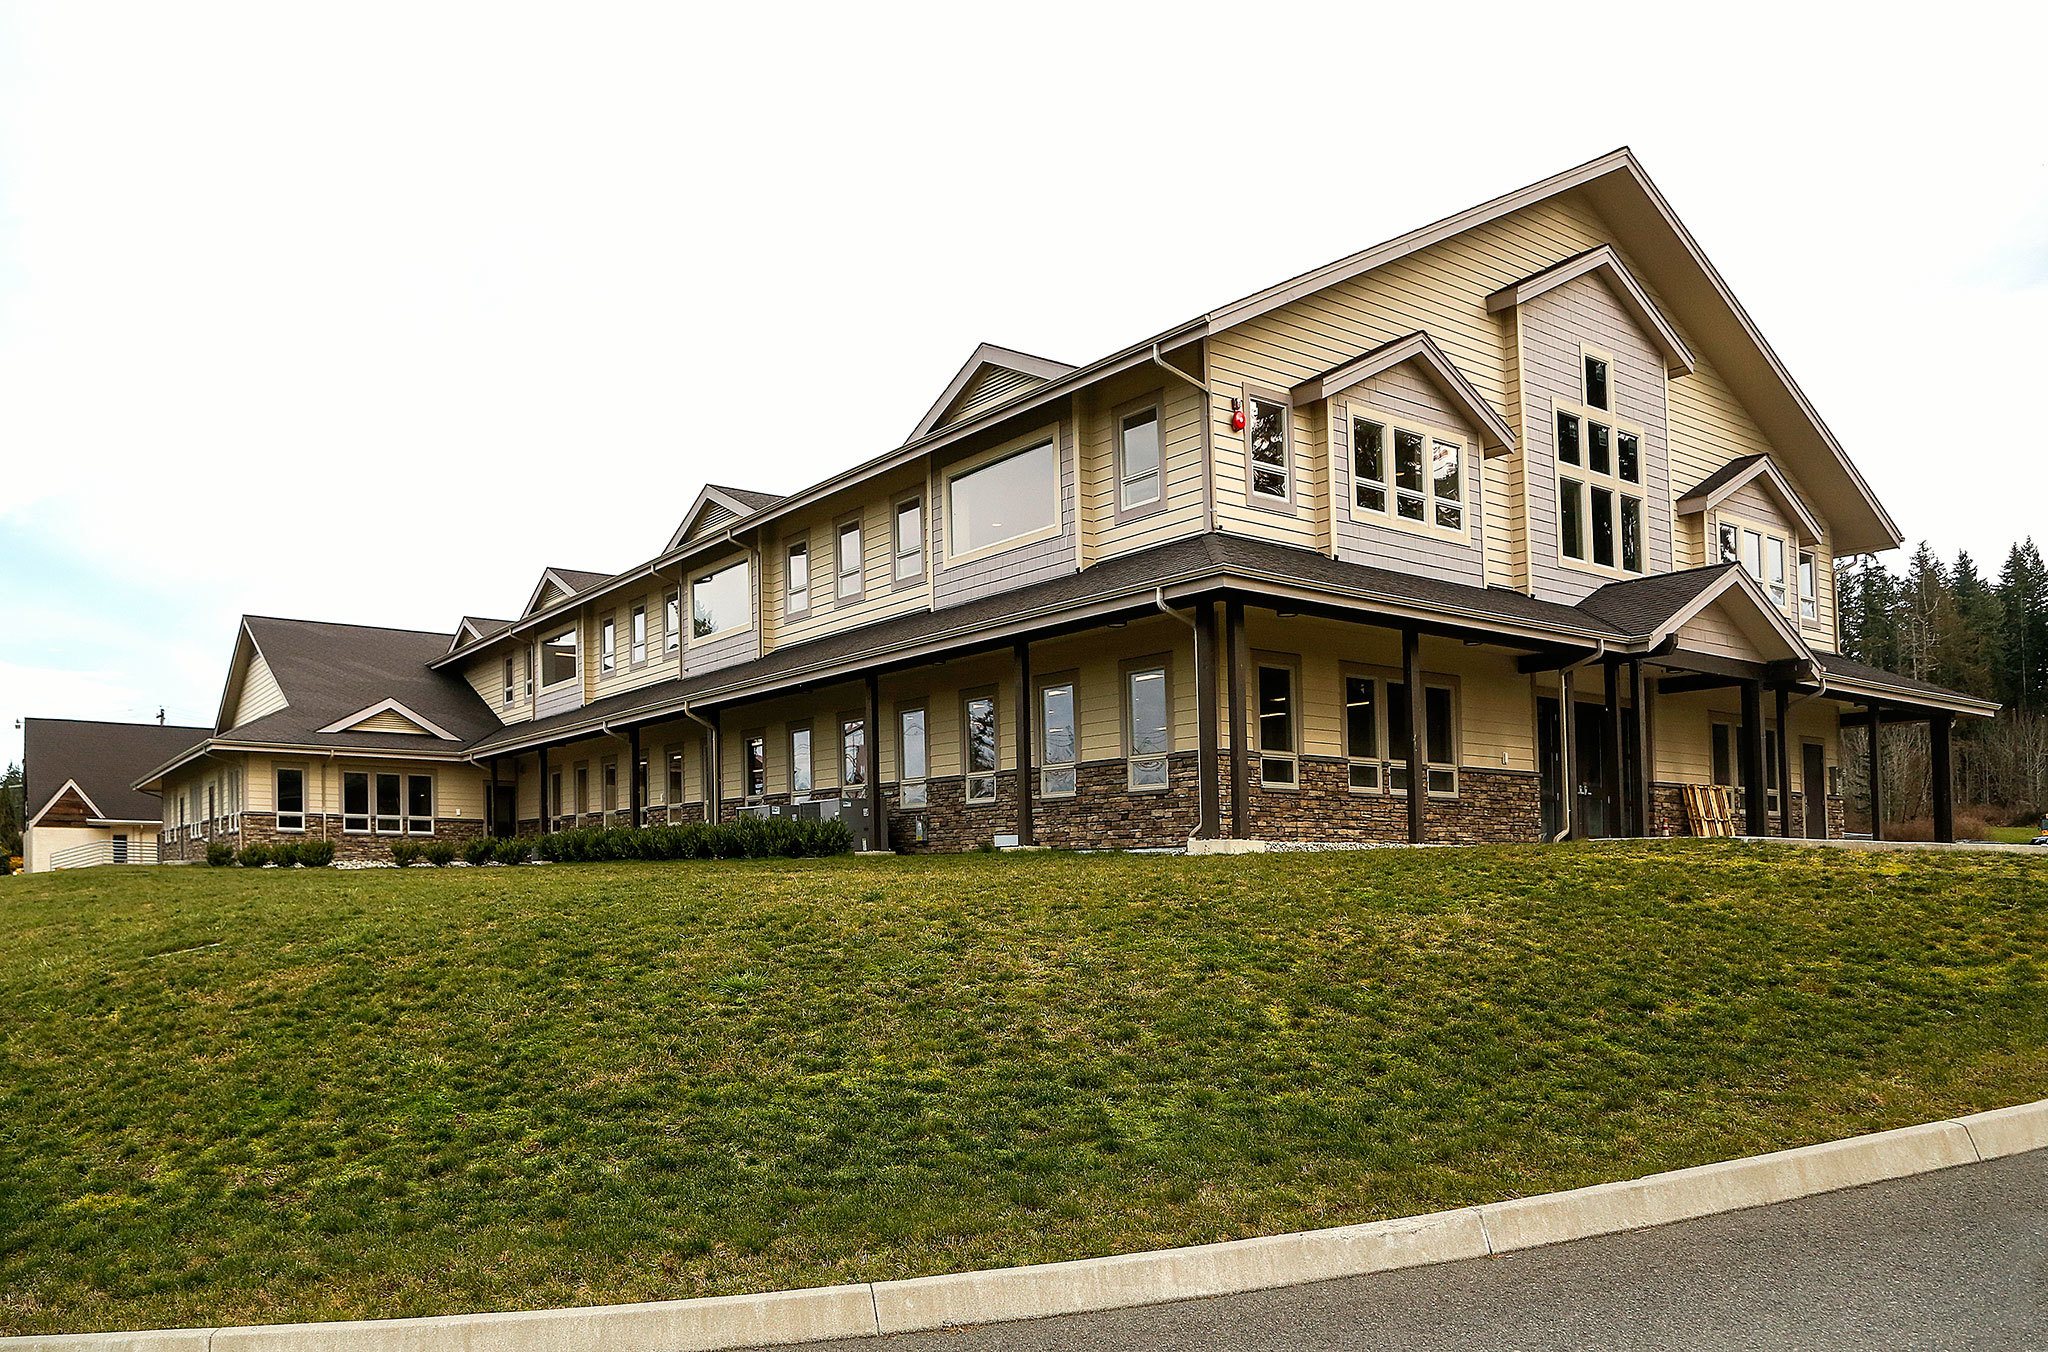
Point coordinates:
[(754, 501), (484, 628), (581, 579), (105, 758), (1643, 605), (329, 671), (1845, 668), (1727, 474)]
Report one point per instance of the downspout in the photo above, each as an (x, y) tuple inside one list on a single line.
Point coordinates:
[(1207, 423), (1567, 793), (1159, 600), (604, 729), (711, 790)]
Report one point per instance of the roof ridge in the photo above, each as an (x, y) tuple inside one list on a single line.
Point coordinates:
[(349, 624)]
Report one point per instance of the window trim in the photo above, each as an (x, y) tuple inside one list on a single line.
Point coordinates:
[(377, 818), (1594, 352), (748, 793), (720, 570), (433, 803), (1587, 478), (1155, 402), (1765, 534), (1267, 502), (1808, 586), (841, 720), (898, 553), (1127, 669), (968, 773), (678, 789), (1015, 446), (906, 783), (574, 633), (796, 604), (810, 759), (1391, 757), (608, 644), (1357, 410), (672, 620), (636, 636), (608, 788), (858, 523), (1291, 664), (277, 812), (510, 685), (1070, 681)]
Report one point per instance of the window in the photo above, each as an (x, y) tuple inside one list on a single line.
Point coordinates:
[(582, 788), (389, 816), (978, 727), (671, 620), (555, 797), (638, 635), (608, 783), (1597, 395), (675, 778), (212, 807), (1774, 570), (1728, 760), (1362, 731), (1146, 736), (852, 563), (796, 580), (1724, 754), (291, 800), (754, 756), (1139, 469), (1439, 738), (608, 644), (419, 805), (1809, 586), (355, 803), (1009, 500), (508, 680), (1059, 741), (800, 760), (1447, 483), (913, 757), (722, 601), (1266, 450), (640, 784), (1428, 472), (120, 848), (1368, 465), (1764, 557), (1276, 727), (558, 659), (853, 753), (910, 540), (1600, 517)]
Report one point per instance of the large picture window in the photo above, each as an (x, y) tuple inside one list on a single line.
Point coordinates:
[(558, 659), (722, 602), (1439, 738), (1147, 726), (978, 729), (1427, 470), (1010, 500), (1600, 513), (913, 757), (291, 800), (1059, 740)]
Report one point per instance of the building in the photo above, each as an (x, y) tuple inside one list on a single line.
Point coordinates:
[(77, 797), (1532, 461)]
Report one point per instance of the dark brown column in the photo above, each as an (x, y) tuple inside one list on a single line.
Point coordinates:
[(1939, 729), (1876, 773), (1021, 666), (1418, 773), (1611, 794), (633, 791), (871, 727), (1639, 698), (1755, 821), (1240, 677), (544, 819), (1568, 753), (491, 807), (1208, 793), (1784, 694)]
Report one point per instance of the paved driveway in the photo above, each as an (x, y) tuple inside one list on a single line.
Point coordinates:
[(1957, 1259)]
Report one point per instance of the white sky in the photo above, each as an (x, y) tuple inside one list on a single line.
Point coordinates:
[(366, 312)]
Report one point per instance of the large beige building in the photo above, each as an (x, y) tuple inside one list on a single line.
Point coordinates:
[(1507, 528)]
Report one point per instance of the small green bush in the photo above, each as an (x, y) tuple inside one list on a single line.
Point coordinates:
[(747, 838), (405, 853), (285, 854), (441, 853), (482, 850), (510, 851), (316, 853), (253, 856), (219, 854)]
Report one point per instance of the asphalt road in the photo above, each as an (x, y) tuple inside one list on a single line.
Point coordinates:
[(1957, 1259)]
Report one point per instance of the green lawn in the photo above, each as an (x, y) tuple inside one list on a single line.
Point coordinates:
[(2012, 835), (233, 1097)]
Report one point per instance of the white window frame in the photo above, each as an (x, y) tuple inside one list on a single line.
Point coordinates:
[(748, 606), (754, 765), (1158, 668), (1387, 485), (850, 584), (796, 601), (980, 787), (416, 825), (908, 564), (636, 635), (510, 685), (277, 813), (677, 789), (357, 823), (1379, 770), (378, 817), (912, 790), (1128, 503), (1365, 770), (1586, 480), (1290, 666), (1016, 446), (1764, 536), (1059, 776), (1809, 586), (1276, 502), (608, 645), (672, 620), (801, 761)]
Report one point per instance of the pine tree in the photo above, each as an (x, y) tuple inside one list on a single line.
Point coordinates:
[(2023, 630), (1925, 617), (1972, 645), (11, 809)]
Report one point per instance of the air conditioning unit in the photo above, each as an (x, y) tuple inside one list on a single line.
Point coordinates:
[(760, 810)]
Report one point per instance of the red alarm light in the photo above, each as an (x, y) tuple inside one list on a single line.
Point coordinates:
[(1236, 415)]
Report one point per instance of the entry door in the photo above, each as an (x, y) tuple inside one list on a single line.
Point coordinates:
[(1589, 740), (1550, 765), (1813, 780), (502, 809)]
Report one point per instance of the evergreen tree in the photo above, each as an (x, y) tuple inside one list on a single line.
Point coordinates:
[(2022, 668), (1972, 643), (1925, 618), (11, 809)]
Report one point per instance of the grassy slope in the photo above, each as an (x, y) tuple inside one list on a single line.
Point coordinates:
[(232, 1098)]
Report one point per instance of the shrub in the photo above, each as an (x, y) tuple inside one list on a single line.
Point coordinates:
[(747, 838), (285, 854), (254, 856), (219, 854), (510, 851), (482, 850), (441, 853), (6, 864), (316, 853), (405, 853)]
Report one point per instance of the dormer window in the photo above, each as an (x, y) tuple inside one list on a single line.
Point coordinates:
[(722, 601), (558, 659), (1428, 472), (1764, 556), (1809, 589), (1600, 514)]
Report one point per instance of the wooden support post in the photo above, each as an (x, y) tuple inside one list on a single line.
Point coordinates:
[(1418, 772), (1240, 677), (1755, 821), (1784, 694), (1876, 773), (635, 807), (1611, 795), (491, 808), (714, 770), (1021, 665), (1208, 791), (1940, 763), (871, 746), (1639, 697)]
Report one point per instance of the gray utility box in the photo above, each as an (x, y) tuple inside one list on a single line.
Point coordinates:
[(853, 811)]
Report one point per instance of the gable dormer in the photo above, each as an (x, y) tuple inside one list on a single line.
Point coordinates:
[(715, 508), (993, 376), (389, 716), (557, 585)]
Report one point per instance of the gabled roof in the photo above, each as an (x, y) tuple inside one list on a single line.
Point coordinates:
[(1602, 262), (717, 505), (1442, 372), (564, 581), (1715, 489), (989, 359), (101, 760), (1656, 608), (396, 717), (471, 628)]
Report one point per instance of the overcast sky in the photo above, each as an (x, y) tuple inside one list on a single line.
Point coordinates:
[(367, 312)]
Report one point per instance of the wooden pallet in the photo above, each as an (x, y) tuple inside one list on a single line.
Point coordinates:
[(1710, 809)]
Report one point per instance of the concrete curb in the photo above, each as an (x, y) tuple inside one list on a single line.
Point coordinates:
[(871, 1308)]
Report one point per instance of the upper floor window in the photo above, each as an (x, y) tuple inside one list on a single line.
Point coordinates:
[(558, 659), (1267, 452), (638, 634), (1597, 394), (1427, 483), (508, 681), (721, 602), (1763, 555), (1140, 470), (671, 623), (1059, 740), (852, 562), (1599, 490), (796, 580), (978, 726), (608, 644), (1809, 588), (909, 540), (1007, 501), (1147, 734)]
